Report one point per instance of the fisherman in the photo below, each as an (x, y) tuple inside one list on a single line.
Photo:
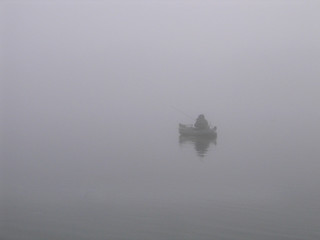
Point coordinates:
[(201, 123)]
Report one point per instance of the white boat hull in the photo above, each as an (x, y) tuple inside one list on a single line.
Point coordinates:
[(186, 130)]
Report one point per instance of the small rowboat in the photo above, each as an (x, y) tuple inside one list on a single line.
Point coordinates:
[(189, 130)]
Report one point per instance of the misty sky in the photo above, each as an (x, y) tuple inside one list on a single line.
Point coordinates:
[(91, 94), (98, 59)]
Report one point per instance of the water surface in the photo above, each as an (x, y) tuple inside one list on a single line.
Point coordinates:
[(104, 185), (92, 93)]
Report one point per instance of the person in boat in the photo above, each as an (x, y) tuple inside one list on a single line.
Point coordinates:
[(201, 123)]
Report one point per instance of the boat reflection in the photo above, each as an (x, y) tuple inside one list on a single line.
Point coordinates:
[(201, 144)]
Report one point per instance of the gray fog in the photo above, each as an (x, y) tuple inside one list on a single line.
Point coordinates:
[(92, 93)]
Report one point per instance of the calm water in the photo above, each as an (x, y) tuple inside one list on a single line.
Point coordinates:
[(92, 93), (96, 183)]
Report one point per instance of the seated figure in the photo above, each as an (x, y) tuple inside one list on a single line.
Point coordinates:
[(201, 123)]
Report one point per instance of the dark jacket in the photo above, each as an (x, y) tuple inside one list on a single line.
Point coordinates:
[(201, 122)]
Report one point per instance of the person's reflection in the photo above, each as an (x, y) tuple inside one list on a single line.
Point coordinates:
[(201, 144)]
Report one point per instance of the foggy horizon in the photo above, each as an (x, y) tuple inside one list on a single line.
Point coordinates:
[(92, 93)]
